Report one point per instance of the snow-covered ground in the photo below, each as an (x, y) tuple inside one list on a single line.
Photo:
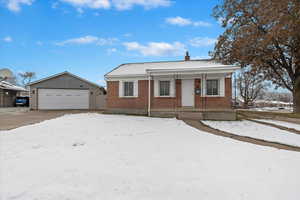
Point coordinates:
[(112, 157), (281, 123), (256, 130), (285, 109)]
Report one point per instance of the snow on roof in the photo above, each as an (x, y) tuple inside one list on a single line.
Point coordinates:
[(142, 68), (63, 73), (8, 86)]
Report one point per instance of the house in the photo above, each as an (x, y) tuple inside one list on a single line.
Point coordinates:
[(8, 93), (66, 91), (171, 87)]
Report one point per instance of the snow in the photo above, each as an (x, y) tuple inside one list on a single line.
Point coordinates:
[(281, 123), (279, 109), (94, 156), (140, 68), (256, 130), (9, 86)]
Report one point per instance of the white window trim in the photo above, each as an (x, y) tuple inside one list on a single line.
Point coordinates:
[(221, 87), (157, 88), (135, 88)]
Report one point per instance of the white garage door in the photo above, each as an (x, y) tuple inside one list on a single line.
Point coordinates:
[(56, 99)]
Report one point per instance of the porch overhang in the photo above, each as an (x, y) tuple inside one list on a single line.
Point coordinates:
[(196, 71)]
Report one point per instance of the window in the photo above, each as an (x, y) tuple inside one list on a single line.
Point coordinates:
[(164, 88), (128, 89), (212, 87)]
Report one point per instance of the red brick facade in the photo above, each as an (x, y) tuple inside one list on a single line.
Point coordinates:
[(141, 102)]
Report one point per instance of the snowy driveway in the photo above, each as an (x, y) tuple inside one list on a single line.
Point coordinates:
[(112, 157)]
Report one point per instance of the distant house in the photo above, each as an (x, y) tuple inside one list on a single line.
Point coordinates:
[(8, 93), (169, 87)]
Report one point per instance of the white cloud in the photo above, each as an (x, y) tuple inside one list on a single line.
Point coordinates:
[(54, 5), (156, 48), (7, 39), (111, 51), (93, 4), (102, 83), (118, 4), (180, 21), (88, 40), (127, 35), (39, 43), (202, 41), (15, 5), (147, 4)]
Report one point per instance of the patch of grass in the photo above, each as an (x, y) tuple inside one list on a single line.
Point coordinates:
[(262, 114)]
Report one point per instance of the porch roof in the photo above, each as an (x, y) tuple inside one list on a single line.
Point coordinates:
[(8, 86)]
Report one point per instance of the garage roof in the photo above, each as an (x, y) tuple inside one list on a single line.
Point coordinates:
[(64, 73)]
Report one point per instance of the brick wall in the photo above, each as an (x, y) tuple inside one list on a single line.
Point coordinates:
[(141, 102), (214, 102), (113, 100)]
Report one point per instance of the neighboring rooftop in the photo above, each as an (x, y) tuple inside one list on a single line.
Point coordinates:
[(142, 68), (8, 86)]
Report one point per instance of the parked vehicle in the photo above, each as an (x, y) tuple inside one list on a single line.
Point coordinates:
[(22, 101)]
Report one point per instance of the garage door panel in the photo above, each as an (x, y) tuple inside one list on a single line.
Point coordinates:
[(55, 99)]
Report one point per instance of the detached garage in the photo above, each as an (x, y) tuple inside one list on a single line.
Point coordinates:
[(66, 91)]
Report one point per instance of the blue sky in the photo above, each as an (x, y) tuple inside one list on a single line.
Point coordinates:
[(91, 37)]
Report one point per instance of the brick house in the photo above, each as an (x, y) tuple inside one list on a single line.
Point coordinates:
[(175, 87)]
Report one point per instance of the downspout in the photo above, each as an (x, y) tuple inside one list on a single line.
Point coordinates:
[(202, 91), (149, 95)]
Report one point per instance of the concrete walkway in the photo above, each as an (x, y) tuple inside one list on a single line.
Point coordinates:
[(199, 125), (292, 130), (11, 110)]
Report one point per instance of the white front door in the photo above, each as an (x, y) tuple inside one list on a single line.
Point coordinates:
[(58, 99), (187, 92)]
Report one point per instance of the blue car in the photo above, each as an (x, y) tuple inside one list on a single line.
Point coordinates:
[(22, 101)]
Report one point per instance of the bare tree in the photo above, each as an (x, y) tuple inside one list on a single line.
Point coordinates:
[(27, 77), (264, 34), (251, 84)]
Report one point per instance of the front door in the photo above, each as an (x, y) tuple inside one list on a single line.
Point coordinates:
[(187, 92)]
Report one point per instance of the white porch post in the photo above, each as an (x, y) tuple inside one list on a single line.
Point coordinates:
[(149, 95)]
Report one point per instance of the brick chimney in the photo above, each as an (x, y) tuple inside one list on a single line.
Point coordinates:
[(187, 56)]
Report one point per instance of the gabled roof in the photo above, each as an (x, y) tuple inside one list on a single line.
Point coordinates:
[(64, 73), (143, 68), (8, 86)]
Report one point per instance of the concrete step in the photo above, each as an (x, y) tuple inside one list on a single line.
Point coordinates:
[(190, 115)]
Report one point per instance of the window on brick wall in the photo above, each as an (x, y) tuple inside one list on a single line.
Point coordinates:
[(128, 89), (212, 87), (164, 88)]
